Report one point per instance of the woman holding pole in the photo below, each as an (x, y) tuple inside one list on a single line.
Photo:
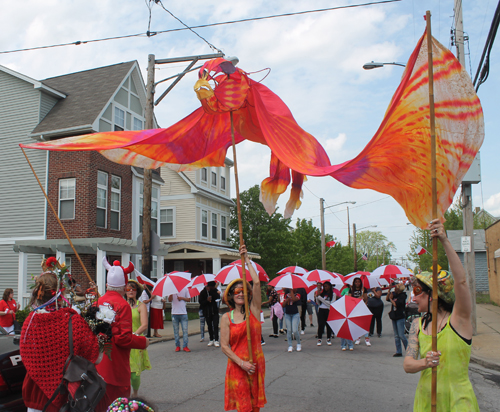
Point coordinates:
[(454, 338), (244, 387)]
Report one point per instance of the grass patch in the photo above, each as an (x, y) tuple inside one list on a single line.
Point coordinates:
[(484, 298), (191, 316)]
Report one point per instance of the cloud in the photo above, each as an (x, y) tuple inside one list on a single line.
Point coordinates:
[(492, 205)]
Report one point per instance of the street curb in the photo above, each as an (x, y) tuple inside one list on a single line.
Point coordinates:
[(485, 363)]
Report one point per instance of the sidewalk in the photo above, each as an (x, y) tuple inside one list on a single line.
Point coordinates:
[(486, 344)]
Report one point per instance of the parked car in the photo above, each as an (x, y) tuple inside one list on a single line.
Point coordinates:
[(12, 372)]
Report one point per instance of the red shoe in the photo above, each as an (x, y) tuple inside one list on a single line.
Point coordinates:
[(186, 349), (178, 349)]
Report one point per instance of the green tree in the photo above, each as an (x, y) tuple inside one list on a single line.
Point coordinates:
[(423, 262), (340, 259), (269, 236), (307, 245), (376, 246)]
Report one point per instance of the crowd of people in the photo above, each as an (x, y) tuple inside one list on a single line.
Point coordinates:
[(46, 331)]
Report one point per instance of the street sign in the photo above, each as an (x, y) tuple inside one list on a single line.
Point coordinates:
[(466, 244)]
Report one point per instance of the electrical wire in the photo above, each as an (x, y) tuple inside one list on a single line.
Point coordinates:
[(150, 34)]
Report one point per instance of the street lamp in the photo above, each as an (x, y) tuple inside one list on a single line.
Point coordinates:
[(376, 65), (322, 211), (354, 243)]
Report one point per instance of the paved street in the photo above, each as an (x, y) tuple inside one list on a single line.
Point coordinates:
[(316, 379)]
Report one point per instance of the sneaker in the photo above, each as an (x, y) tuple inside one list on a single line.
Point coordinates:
[(177, 349), (397, 355), (357, 342), (370, 335), (202, 339), (290, 349), (311, 325), (367, 341), (186, 349), (262, 343), (319, 342), (344, 348), (282, 331), (216, 344), (351, 348), (379, 335), (272, 335), (302, 332), (329, 342), (211, 343), (276, 335), (299, 347)]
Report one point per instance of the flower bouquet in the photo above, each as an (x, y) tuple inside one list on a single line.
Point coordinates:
[(99, 319)]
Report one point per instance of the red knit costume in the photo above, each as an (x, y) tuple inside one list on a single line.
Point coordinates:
[(44, 349)]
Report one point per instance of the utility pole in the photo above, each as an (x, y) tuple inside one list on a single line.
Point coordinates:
[(348, 228), (354, 247), (323, 252), (148, 173), (468, 218)]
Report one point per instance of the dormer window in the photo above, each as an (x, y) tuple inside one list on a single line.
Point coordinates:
[(204, 173), (119, 119)]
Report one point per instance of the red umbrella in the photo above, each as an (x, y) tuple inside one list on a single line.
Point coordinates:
[(195, 290), (258, 268), (389, 272), (230, 272), (293, 269), (202, 280), (349, 318), (322, 276), (290, 281), (171, 284), (367, 280)]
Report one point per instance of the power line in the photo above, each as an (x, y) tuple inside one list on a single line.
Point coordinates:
[(151, 34)]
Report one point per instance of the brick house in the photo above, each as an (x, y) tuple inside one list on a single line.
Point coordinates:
[(98, 201)]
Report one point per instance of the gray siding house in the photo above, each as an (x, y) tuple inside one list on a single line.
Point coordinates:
[(480, 256), (102, 99)]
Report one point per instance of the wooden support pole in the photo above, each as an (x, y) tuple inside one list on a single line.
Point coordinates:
[(240, 229), (434, 210), (59, 221)]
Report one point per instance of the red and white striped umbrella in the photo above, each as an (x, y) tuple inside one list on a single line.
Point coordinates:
[(318, 275), (349, 318), (297, 270), (389, 272), (230, 272), (171, 284), (202, 279), (143, 280), (289, 281), (195, 290), (258, 268), (367, 280)]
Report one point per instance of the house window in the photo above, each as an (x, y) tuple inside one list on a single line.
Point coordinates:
[(204, 173), (222, 183), (223, 228), (67, 198), (119, 119), (167, 222), (137, 124), (154, 267), (154, 208), (214, 179), (116, 189), (102, 199), (215, 220), (204, 223)]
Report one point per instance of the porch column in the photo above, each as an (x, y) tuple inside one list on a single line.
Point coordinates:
[(160, 267), (60, 256), (21, 278), (100, 272), (125, 259), (216, 265)]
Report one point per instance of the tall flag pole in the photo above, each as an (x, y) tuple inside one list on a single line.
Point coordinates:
[(434, 210), (240, 229)]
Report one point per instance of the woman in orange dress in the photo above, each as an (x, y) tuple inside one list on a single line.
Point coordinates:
[(244, 388)]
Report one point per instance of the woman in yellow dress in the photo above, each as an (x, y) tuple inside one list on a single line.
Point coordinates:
[(244, 387), (139, 358), (454, 338)]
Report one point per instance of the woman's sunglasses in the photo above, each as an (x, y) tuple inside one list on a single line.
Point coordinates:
[(130, 289), (417, 290), (237, 291)]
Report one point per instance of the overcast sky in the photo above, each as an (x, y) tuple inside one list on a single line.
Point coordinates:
[(316, 68)]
